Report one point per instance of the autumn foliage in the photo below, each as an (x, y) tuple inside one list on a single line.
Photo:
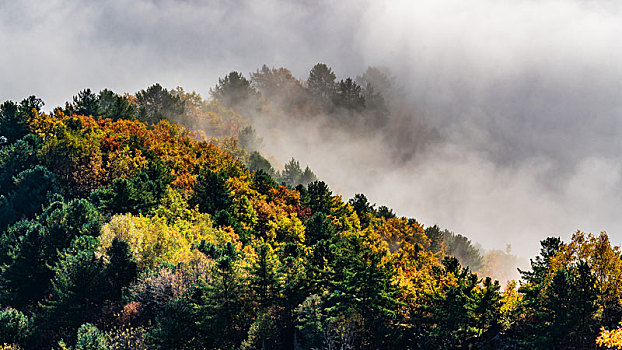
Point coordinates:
[(138, 221)]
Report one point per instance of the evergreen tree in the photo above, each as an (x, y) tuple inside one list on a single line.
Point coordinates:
[(86, 103), (32, 188), (307, 177), (462, 314), (121, 268), (15, 327), (78, 288), (291, 173), (258, 163), (349, 95), (235, 91), (177, 327), (157, 103), (114, 106), (321, 83), (263, 276), (249, 140), (319, 197), (24, 275), (210, 193), (364, 210), (89, 337), (14, 118), (15, 158), (221, 311), (385, 212), (363, 285)]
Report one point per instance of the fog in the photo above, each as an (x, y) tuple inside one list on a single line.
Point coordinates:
[(525, 94)]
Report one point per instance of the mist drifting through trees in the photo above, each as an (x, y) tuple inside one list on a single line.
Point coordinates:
[(239, 165), (525, 93)]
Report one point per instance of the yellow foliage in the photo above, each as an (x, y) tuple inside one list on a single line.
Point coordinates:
[(345, 218), (610, 339), (289, 229), (603, 259), (174, 206), (241, 186), (153, 240), (511, 301), (125, 162), (398, 231), (415, 273), (9, 347), (244, 212)]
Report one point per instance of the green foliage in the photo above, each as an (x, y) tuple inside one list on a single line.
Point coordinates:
[(14, 118), (321, 327), (114, 106), (157, 103), (349, 95), (234, 90), (319, 227), (249, 140), (24, 274), (15, 158), (319, 197), (15, 327), (89, 337), (32, 190), (210, 193), (78, 287), (262, 334), (121, 268), (24, 186), (561, 303), (362, 288), (462, 248), (264, 278), (385, 212), (363, 208), (463, 314), (65, 221), (138, 194), (293, 175), (222, 306), (258, 163), (86, 103), (321, 82), (212, 315), (195, 251), (176, 327)]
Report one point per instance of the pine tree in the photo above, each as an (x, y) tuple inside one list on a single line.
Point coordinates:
[(210, 193), (24, 276), (78, 288), (263, 276), (121, 268)]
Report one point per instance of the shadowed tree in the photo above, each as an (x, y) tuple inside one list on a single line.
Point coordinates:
[(234, 90), (114, 106), (321, 81), (210, 193), (349, 95), (86, 103), (157, 103), (14, 117)]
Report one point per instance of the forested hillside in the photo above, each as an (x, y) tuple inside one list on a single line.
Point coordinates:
[(154, 221)]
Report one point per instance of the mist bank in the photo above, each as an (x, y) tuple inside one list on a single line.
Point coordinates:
[(452, 176), (463, 190)]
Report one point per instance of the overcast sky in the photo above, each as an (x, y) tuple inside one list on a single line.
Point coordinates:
[(527, 93)]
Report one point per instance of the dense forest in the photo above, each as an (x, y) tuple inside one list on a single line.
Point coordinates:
[(155, 220)]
